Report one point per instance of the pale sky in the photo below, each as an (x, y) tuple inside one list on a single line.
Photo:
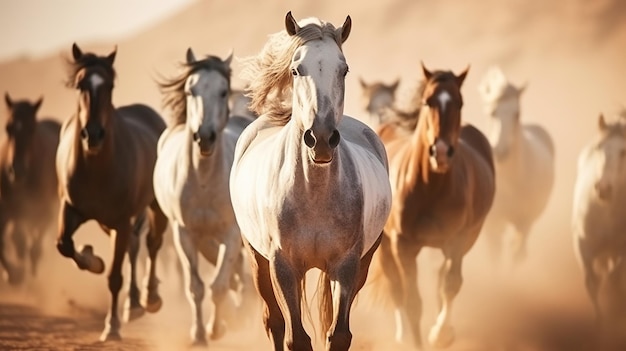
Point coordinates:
[(41, 27)]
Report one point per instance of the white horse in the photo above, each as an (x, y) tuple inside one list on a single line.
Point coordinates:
[(310, 186), (524, 159), (599, 220), (191, 183)]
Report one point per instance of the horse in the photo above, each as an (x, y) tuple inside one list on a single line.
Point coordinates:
[(309, 186), (105, 161), (377, 98), (195, 155), (524, 158), (598, 221), (442, 178), (28, 185)]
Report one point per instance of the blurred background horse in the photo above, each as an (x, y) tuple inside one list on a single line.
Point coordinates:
[(524, 159), (28, 186)]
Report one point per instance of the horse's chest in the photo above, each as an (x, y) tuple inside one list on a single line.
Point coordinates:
[(205, 207)]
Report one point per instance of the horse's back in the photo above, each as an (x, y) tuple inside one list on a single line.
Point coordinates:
[(143, 116)]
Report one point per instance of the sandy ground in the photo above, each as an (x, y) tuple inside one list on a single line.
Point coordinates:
[(572, 55)]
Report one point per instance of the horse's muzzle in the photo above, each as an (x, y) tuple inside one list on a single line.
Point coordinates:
[(440, 154), (92, 138), (322, 150), (206, 143)]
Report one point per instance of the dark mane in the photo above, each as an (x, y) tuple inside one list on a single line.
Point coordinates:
[(87, 60), (173, 89)]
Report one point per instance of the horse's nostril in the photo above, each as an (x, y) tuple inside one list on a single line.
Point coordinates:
[(84, 134), (309, 139), (101, 133), (196, 137), (333, 141), (432, 150), (450, 152), (212, 136)]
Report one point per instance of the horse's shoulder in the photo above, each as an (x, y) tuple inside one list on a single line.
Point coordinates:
[(540, 133), (362, 135), (477, 140)]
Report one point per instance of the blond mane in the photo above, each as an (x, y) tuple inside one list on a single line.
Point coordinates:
[(268, 75)]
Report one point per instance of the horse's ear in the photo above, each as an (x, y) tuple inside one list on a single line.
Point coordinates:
[(345, 29), (291, 25), (602, 123), (362, 82), (111, 57), (7, 99), (395, 84), (191, 58), (229, 58), (77, 53), (38, 103), (461, 77), (427, 73)]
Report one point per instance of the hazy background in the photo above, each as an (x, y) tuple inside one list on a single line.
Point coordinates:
[(571, 53)]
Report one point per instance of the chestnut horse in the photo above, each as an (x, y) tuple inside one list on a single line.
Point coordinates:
[(28, 185), (105, 162), (309, 186), (442, 178)]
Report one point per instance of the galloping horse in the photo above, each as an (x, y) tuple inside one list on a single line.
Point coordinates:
[(28, 184), (442, 178), (377, 98), (309, 186), (524, 159), (195, 155), (105, 162), (599, 223)]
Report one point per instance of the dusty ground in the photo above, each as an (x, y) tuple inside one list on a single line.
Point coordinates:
[(571, 53)]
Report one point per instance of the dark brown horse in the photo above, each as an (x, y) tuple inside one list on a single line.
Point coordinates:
[(442, 176), (105, 162), (28, 184)]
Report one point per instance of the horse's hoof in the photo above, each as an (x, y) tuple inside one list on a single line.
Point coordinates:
[(132, 313), (109, 335), (92, 263), (217, 331), (199, 342), (441, 337), (152, 302)]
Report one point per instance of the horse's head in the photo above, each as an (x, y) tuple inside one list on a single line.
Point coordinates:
[(93, 77), (441, 117), (609, 158), (20, 128), (502, 103), (319, 69), (378, 96), (207, 89)]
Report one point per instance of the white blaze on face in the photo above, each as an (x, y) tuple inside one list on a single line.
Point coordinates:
[(444, 97), (95, 80)]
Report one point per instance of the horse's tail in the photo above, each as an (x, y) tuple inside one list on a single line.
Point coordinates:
[(379, 285), (325, 304)]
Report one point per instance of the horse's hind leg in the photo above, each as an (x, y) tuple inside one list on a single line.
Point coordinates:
[(158, 222), (272, 317), (133, 308), (520, 242), (350, 276), (592, 281), (11, 271), (450, 280), (185, 245)]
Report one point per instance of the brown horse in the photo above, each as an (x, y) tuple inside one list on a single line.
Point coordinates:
[(442, 177), (105, 162), (28, 184)]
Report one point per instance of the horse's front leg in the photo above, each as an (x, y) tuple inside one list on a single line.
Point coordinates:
[(185, 245), (158, 223), (286, 282), (69, 221), (13, 275), (349, 278), (120, 237)]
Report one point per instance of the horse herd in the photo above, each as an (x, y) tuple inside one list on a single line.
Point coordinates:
[(290, 183)]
